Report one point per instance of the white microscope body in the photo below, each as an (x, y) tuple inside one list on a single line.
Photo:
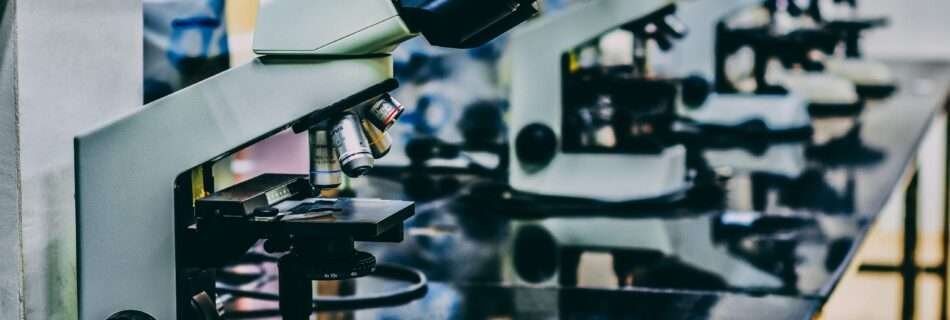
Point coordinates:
[(536, 54), (786, 160), (773, 112), (867, 75)]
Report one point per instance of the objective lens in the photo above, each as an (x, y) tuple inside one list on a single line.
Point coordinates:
[(352, 147), (379, 142), (324, 161), (384, 113)]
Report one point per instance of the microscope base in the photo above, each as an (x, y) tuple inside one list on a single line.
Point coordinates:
[(608, 177), (753, 114), (872, 79), (835, 110), (824, 91), (787, 160), (876, 91)]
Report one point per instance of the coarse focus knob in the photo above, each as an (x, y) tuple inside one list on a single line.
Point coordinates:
[(536, 145), (695, 91)]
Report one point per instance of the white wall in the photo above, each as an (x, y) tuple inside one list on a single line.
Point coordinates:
[(10, 250), (78, 63), (919, 28)]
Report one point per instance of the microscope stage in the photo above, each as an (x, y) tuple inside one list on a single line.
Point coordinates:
[(360, 218), (281, 203)]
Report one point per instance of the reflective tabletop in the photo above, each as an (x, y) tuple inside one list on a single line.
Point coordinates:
[(769, 227)]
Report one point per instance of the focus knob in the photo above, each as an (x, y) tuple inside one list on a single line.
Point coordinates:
[(536, 145), (130, 315), (695, 91)]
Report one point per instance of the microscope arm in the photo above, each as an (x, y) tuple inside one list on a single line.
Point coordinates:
[(362, 27)]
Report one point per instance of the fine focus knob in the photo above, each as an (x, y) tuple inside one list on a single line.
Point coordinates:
[(358, 265), (536, 145)]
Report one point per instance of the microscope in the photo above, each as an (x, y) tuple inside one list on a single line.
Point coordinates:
[(758, 52), (580, 128), (152, 225), (619, 119), (873, 79), (769, 117)]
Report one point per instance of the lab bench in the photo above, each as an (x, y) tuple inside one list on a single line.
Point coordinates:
[(768, 231)]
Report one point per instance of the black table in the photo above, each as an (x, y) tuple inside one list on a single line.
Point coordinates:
[(769, 235)]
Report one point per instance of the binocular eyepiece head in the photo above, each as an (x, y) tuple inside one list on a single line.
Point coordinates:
[(464, 23)]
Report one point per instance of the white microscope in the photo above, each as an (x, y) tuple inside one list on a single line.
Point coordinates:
[(581, 128), (152, 227), (761, 50), (774, 116), (872, 78), (590, 118)]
